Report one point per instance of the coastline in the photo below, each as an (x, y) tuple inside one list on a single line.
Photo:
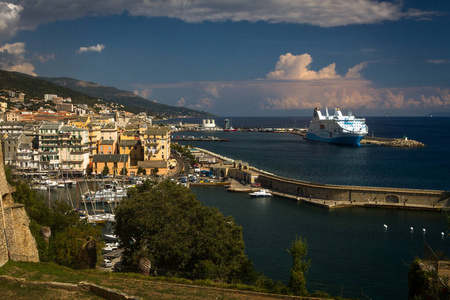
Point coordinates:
[(439, 203)]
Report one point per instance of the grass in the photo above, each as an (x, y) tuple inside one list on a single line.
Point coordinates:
[(20, 291), (129, 283)]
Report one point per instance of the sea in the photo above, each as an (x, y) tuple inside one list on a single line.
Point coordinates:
[(352, 252)]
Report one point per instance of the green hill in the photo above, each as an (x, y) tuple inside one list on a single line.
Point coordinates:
[(82, 92), (126, 98), (36, 88)]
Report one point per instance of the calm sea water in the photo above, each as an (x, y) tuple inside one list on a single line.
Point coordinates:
[(350, 250)]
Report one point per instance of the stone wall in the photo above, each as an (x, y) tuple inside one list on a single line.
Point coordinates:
[(355, 193), (17, 238), (16, 241)]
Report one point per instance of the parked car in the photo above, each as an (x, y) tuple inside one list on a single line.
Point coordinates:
[(106, 263)]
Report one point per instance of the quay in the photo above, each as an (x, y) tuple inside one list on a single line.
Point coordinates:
[(327, 195), (201, 139)]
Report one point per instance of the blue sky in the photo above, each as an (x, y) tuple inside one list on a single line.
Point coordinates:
[(242, 58)]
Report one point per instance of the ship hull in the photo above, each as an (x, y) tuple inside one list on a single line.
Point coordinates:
[(335, 139)]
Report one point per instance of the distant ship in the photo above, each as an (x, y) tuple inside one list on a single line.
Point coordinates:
[(336, 129)]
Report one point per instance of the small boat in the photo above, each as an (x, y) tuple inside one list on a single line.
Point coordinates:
[(260, 193)]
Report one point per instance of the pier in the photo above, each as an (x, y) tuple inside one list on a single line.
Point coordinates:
[(200, 139), (329, 195)]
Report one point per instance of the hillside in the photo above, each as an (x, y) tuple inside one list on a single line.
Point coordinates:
[(126, 98), (36, 88), (83, 92)]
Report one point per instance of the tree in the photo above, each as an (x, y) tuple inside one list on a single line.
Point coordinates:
[(155, 171), (105, 170), (140, 170), (89, 169), (124, 171), (300, 266), (164, 222)]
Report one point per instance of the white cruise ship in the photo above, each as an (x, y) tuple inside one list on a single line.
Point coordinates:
[(336, 129)]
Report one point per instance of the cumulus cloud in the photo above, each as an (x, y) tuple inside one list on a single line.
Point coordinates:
[(181, 102), (203, 103), (12, 59), (9, 19), (297, 67), (97, 48), (145, 93), (354, 71)]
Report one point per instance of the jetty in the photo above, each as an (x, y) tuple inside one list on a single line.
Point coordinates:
[(327, 195), (200, 139), (388, 142)]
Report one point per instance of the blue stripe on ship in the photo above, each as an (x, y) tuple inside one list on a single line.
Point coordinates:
[(343, 140)]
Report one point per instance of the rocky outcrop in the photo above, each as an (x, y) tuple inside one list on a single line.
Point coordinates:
[(16, 241)]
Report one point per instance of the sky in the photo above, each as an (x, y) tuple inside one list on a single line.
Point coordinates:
[(242, 58)]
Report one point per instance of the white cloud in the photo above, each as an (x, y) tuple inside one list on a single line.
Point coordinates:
[(97, 48), (145, 93), (9, 19), (354, 71), (12, 59), (45, 58), (203, 103), (438, 61), (181, 102), (323, 13), (296, 67)]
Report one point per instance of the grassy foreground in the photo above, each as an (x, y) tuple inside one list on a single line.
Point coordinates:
[(129, 283)]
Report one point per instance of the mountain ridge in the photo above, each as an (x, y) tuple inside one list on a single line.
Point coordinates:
[(85, 92), (123, 97)]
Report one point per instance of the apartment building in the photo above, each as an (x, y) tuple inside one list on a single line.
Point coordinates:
[(27, 160), (63, 149)]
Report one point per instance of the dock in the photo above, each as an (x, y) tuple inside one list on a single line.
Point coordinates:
[(201, 139)]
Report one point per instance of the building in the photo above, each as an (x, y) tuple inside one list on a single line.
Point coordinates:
[(49, 147), (49, 97), (109, 132), (27, 160), (11, 143), (13, 116), (156, 142), (63, 149), (115, 163), (107, 147), (74, 151), (64, 107)]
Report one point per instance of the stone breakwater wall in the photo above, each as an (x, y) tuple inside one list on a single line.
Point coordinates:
[(357, 195), (344, 195), (400, 143)]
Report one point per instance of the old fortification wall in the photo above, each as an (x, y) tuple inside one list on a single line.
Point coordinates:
[(352, 194), (344, 194), (16, 241)]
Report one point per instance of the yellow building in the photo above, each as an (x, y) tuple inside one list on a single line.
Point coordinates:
[(114, 162), (81, 122)]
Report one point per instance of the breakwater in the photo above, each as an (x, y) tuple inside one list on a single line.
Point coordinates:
[(329, 195)]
